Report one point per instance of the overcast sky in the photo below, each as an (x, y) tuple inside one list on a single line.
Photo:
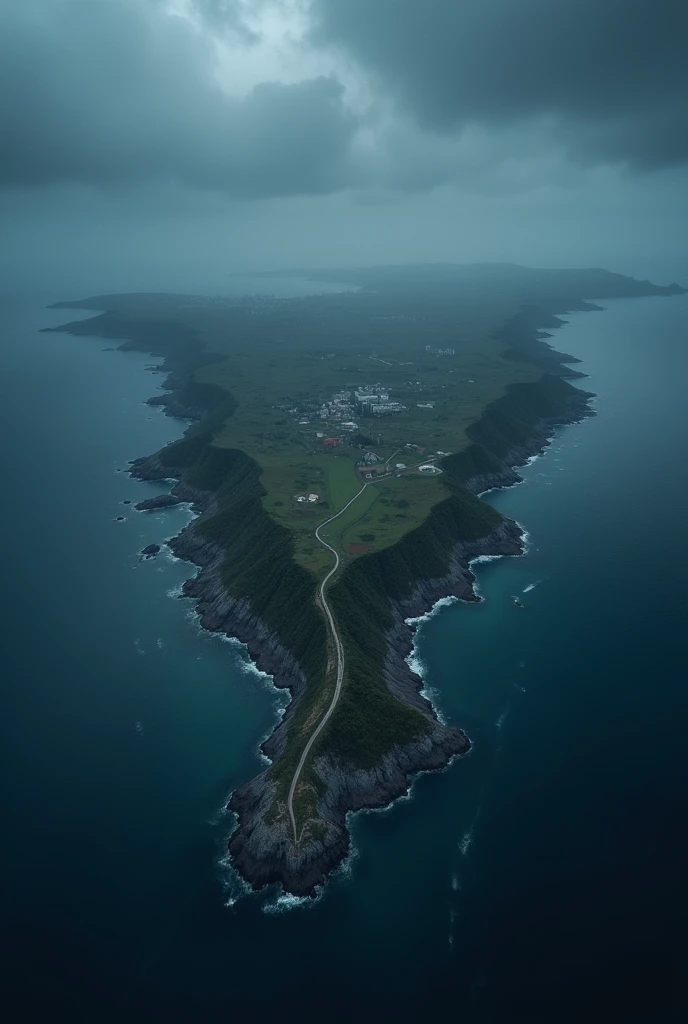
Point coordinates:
[(165, 143)]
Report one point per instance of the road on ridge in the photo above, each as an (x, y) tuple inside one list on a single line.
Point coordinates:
[(340, 661)]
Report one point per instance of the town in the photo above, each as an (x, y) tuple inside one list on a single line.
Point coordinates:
[(366, 401), (363, 402)]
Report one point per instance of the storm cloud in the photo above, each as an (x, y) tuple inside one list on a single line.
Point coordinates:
[(396, 95), (162, 143), (608, 79), (106, 91)]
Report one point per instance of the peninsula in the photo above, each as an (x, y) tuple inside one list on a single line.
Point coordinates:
[(336, 448)]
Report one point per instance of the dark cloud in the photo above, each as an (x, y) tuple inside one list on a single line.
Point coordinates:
[(492, 95), (105, 91), (609, 76)]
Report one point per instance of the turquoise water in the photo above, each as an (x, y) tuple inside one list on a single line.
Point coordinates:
[(539, 878)]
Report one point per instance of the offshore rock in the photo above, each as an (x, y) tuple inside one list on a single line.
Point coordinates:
[(158, 501)]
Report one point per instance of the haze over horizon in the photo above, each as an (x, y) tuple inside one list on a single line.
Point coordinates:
[(164, 144)]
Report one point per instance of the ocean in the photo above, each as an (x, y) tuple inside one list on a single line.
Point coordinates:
[(540, 878)]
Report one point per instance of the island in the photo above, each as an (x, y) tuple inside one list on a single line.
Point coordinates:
[(335, 449)]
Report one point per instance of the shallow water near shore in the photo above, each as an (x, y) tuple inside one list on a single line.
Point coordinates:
[(535, 878)]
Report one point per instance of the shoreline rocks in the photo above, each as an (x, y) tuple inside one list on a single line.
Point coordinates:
[(158, 501)]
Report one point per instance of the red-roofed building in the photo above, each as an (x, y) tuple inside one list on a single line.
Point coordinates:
[(331, 442)]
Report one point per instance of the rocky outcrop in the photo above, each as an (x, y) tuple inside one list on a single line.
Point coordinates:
[(151, 467), (158, 501), (175, 408), (506, 475), (150, 550), (264, 852)]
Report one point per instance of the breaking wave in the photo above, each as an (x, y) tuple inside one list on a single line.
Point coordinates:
[(286, 902), (443, 602), (233, 885)]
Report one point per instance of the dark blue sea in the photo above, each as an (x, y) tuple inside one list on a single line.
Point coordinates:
[(540, 878)]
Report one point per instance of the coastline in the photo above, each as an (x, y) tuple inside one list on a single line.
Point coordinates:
[(264, 854)]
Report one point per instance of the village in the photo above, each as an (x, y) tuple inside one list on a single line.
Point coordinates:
[(371, 400), (341, 413)]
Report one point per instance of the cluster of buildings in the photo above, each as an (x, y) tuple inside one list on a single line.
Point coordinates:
[(374, 401), (370, 400), (440, 351), (340, 409), (310, 497)]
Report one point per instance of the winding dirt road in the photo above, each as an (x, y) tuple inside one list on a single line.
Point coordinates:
[(340, 661)]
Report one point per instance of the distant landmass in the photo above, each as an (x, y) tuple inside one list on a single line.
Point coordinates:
[(336, 448)]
